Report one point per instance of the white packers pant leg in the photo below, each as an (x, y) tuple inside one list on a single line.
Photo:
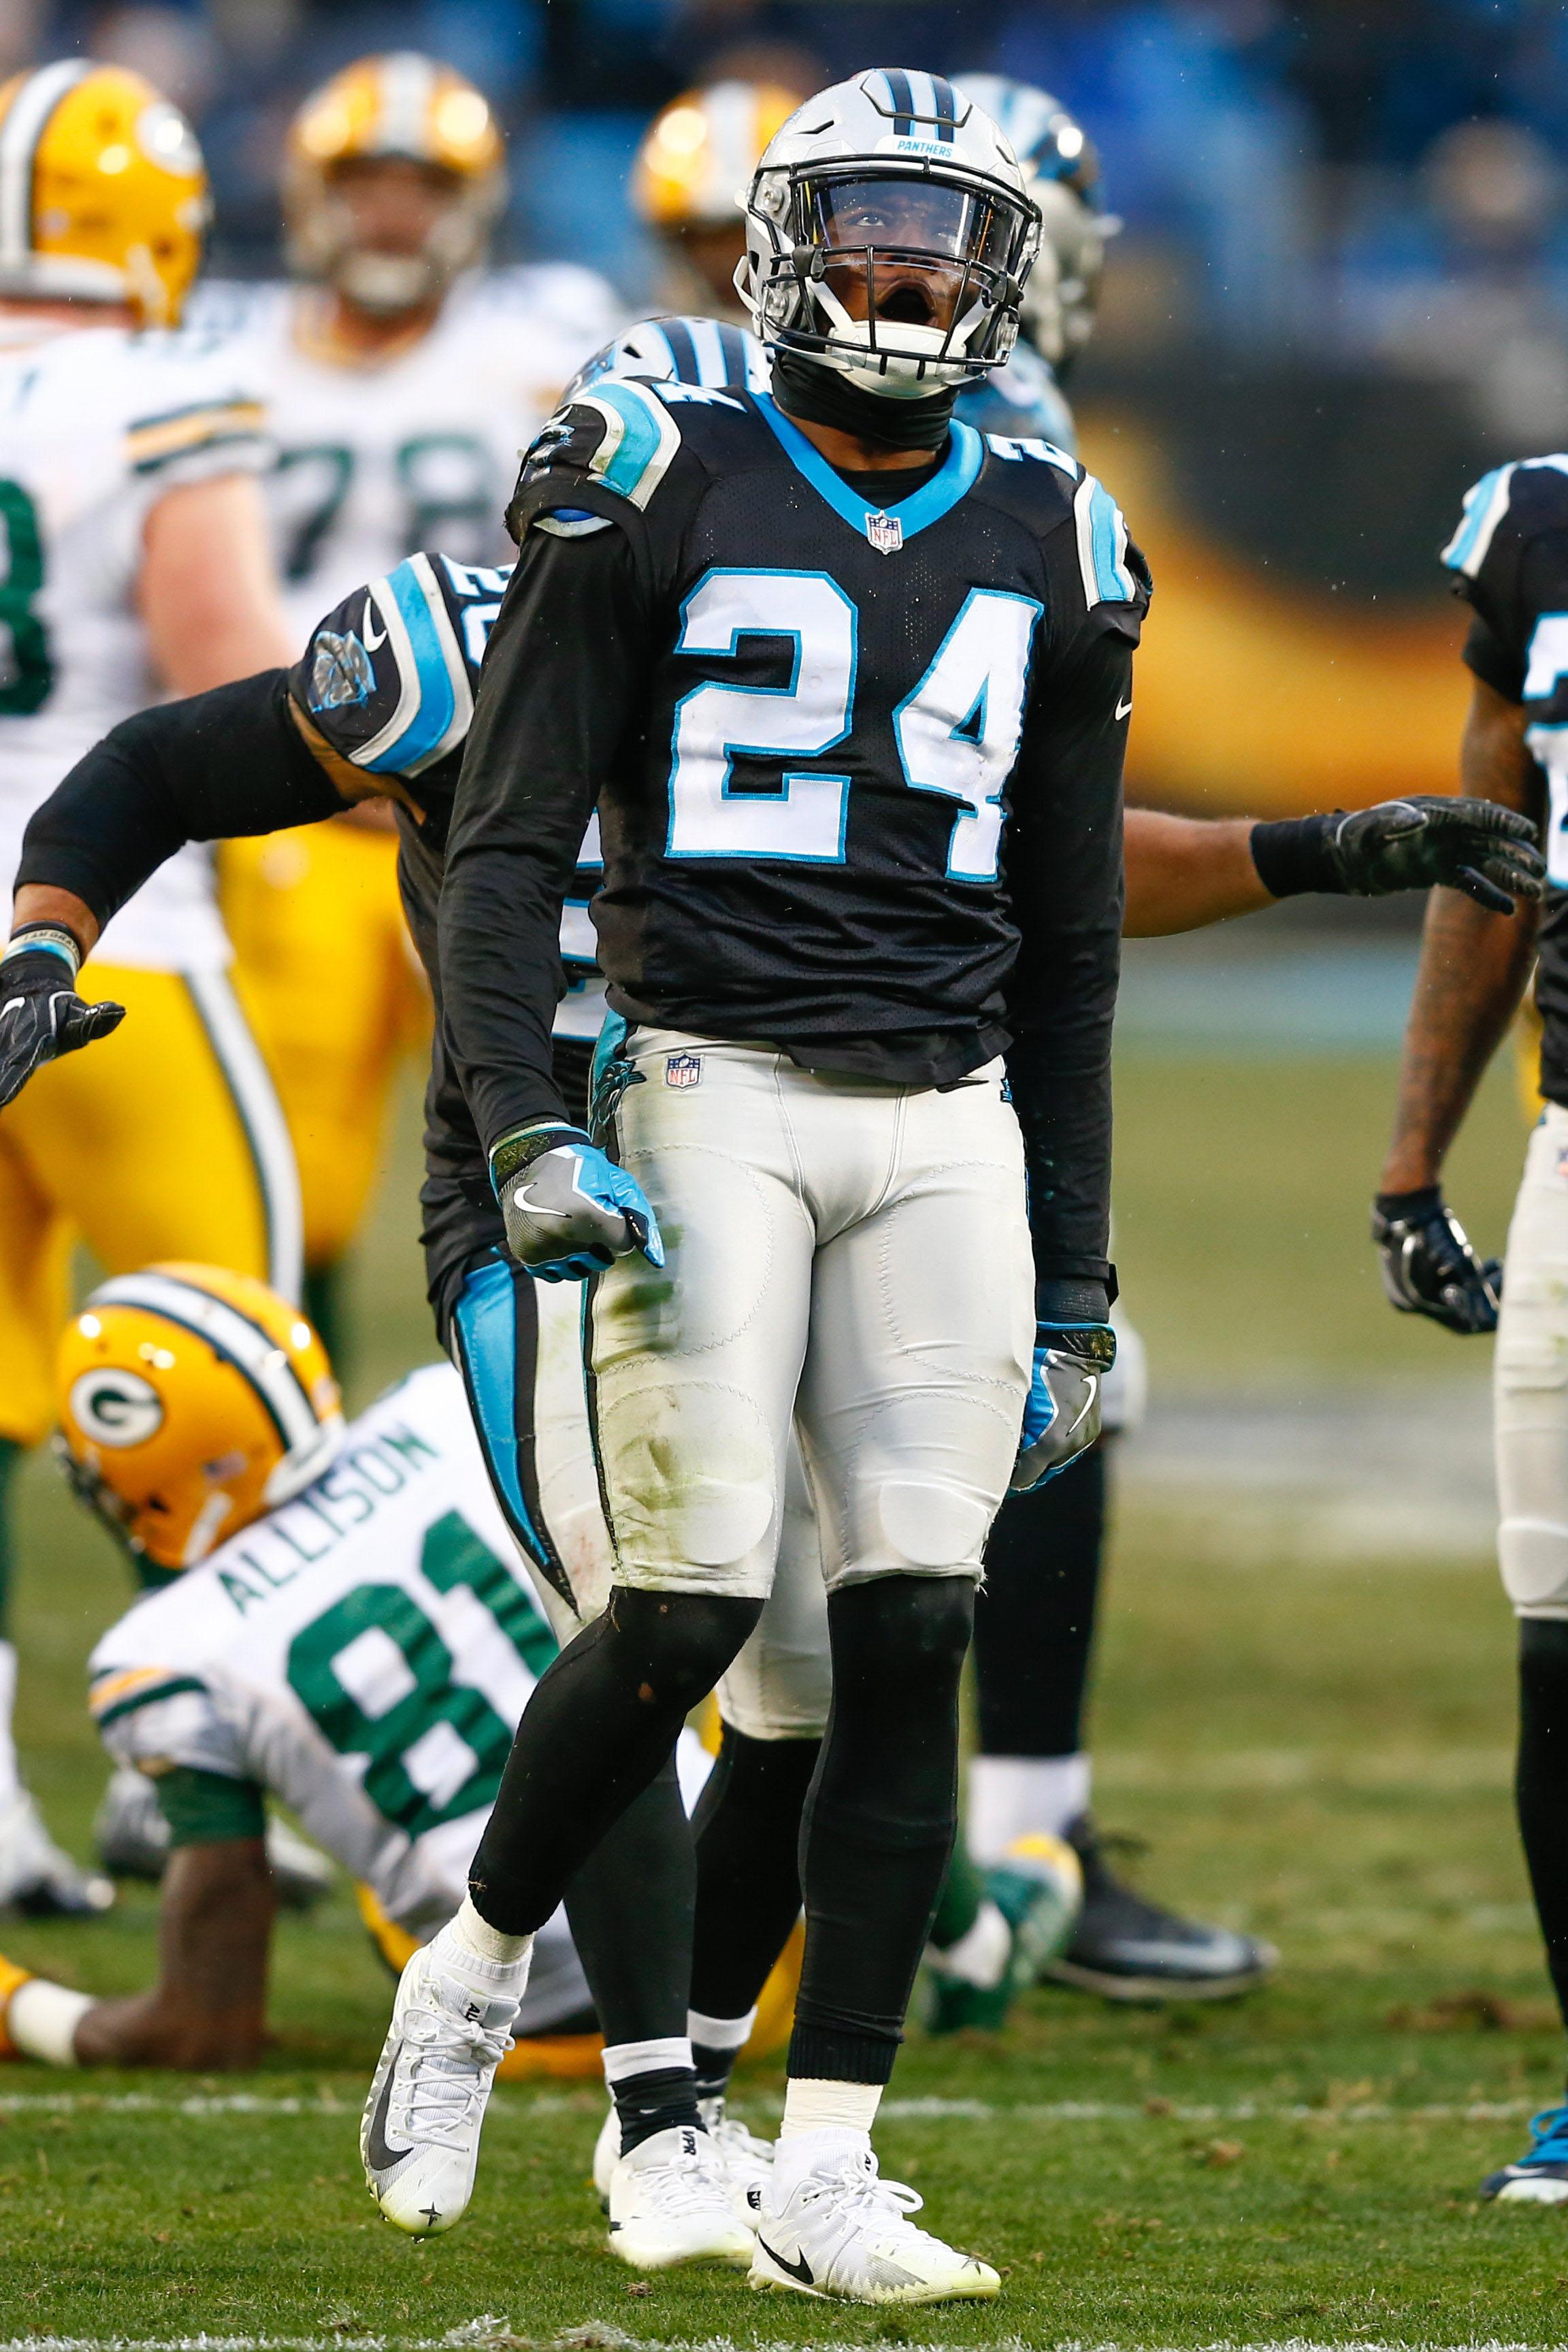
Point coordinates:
[(923, 1330), (1530, 1381), (696, 1367)]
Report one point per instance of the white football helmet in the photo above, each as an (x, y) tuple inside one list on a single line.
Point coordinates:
[(889, 234), (1061, 170)]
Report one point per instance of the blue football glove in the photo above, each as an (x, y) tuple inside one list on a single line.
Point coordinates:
[(569, 1211), (1061, 1413)]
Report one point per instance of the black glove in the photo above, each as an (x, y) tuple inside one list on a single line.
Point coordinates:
[(1428, 1265), (41, 1015), (1471, 845)]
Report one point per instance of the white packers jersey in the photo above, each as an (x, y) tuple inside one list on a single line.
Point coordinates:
[(96, 425), (422, 450), (363, 1653)]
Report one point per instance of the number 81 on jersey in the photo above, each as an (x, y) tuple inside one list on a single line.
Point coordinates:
[(957, 731)]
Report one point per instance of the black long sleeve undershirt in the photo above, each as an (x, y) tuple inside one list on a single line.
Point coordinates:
[(564, 674), (1065, 881), (210, 768)]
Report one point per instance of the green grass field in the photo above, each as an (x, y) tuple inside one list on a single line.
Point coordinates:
[(1315, 1746)]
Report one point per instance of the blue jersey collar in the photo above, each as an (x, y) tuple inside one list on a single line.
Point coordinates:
[(965, 454)]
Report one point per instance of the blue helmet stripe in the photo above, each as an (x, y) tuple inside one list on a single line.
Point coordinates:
[(682, 352), (708, 351), (901, 100), (946, 102)]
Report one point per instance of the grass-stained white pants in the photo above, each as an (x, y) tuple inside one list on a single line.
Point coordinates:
[(850, 1258)]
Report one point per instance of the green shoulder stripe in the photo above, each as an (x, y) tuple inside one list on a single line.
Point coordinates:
[(173, 1687)]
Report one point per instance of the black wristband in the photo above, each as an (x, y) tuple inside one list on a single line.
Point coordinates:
[(1071, 1302), (526, 1143), (1292, 855), (48, 938), (1409, 1206)]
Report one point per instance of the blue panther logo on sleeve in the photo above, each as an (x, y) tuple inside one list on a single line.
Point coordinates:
[(341, 671)]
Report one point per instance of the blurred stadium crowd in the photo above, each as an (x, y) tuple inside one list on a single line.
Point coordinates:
[(1385, 183)]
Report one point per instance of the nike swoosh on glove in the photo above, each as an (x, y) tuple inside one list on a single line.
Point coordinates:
[(1472, 846), (1061, 1413), (1428, 1265), (42, 1017), (569, 1211)]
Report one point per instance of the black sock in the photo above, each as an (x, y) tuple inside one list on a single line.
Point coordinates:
[(661, 2100), (713, 2068), (602, 1722), (879, 1819), (747, 1826), (1541, 1786), (630, 1909), (1034, 1621)]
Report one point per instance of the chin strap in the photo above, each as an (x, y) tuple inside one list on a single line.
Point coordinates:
[(823, 397)]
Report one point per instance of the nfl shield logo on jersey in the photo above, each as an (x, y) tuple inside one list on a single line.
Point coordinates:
[(683, 1070), (886, 533)]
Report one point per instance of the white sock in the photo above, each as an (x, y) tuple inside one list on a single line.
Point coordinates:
[(480, 1952), (1012, 1796), (625, 2059), (41, 2020), (720, 2033), (10, 1770), (821, 2107)]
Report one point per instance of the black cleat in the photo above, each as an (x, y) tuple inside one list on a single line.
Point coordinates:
[(1129, 1949)]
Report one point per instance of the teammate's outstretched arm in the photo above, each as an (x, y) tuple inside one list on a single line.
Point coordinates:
[(1474, 965), (208, 2007), (241, 759), (557, 699), (1184, 872)]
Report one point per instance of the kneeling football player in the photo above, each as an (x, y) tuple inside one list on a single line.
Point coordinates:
[(339, 1622)]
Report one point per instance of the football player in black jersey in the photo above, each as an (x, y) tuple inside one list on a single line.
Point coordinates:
[(381, 700), (1509, 560)]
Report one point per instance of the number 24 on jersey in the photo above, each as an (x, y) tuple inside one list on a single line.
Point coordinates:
[(957, 730)]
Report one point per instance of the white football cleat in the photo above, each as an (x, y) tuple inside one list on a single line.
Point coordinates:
[(748, 2160), (842, 2231), (420, 2136), (671, 2202), (36, 1876)]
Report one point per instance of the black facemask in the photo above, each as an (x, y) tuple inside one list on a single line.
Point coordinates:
[(804, 388)]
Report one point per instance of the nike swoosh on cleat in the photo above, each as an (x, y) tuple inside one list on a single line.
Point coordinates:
[(377, 2154), (1123, 709), (801, 2270)]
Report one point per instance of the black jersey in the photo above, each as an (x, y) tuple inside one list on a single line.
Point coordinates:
[(857, 768), (1510, 561)]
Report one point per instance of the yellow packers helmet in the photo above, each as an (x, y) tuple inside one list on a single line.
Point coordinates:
[(103, 192), (401, 107), (699, 157), (191, 1401)]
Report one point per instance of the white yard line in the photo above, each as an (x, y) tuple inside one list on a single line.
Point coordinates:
[(200, 2105)]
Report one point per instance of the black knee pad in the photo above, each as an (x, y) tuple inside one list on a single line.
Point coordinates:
[(676, 1643)]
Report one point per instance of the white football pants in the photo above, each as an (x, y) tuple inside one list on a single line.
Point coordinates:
[(1530, 1381), (850, 1259)]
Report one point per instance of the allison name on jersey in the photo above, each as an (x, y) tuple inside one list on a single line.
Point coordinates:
[(1509, 559), (849, 794), (363, 1653)]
